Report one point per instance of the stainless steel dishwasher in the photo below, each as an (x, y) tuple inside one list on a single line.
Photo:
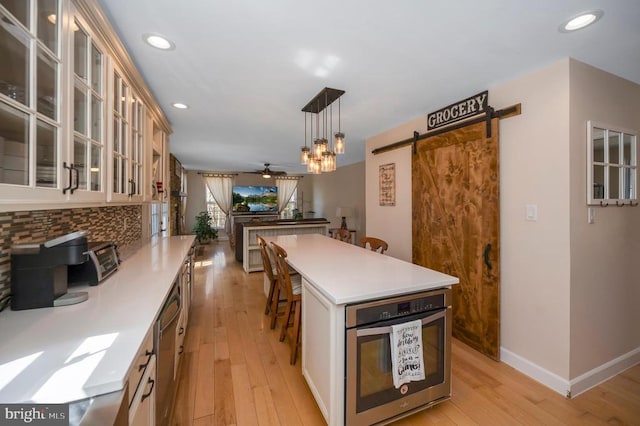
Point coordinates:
[(165, 344)]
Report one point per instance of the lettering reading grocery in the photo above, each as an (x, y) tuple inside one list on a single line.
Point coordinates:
[(474, 105)]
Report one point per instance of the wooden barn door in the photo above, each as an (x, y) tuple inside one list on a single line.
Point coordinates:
[(456, 226)]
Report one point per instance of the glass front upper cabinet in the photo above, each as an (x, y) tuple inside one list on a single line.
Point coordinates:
[(127, 144), (121, 137), (72, 124), (611, 165), (30, 122), (137, 147), (88, 107)]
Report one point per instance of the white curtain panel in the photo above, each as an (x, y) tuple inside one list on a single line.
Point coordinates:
[(221, 187), (286, 187)]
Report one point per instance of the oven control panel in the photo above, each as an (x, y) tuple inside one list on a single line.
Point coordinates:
[(380, 311)]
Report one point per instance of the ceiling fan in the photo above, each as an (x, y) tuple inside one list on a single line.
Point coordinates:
[(267, 172)]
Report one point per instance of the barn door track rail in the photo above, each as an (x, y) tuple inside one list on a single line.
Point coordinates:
[(511, 111)]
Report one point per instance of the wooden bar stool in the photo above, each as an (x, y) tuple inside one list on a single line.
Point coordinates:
[(268, 264), (293, 294), (376, 244), (343, 235), (273, 279)]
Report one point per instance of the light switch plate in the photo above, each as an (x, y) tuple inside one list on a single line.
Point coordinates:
[(531, 212), (591, 215)]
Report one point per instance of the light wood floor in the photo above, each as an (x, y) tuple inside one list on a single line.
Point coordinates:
[(236, 372)]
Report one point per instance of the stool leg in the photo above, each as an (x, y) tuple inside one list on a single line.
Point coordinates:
[(287, 317), (274, 306), (272, 287)]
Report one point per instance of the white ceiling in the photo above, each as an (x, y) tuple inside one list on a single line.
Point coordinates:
[(246, 68)]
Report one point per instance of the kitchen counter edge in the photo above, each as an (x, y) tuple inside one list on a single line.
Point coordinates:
[(69, 353)]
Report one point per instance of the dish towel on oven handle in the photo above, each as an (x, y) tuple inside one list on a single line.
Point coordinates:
[(407, 361)]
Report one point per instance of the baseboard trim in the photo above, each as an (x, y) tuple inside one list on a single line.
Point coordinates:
[(547, 378), (600, 374), (574, 387)]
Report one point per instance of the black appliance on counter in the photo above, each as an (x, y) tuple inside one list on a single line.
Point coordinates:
[(102, 261), (39, 272)]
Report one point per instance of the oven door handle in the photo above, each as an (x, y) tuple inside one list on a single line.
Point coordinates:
[(175, 298), (387, 330)]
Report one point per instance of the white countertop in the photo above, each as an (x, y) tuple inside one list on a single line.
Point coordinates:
[(345, 273), (68, 353)]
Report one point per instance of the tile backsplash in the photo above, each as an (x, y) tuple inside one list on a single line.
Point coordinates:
[(120, 224)]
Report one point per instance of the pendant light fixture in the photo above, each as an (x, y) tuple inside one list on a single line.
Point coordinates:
[(321, 157), (339, 143), (332, 154), (320, 144)]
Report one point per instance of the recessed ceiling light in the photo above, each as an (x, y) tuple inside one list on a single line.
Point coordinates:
[(580, 21), (180, 105), (158, 41)]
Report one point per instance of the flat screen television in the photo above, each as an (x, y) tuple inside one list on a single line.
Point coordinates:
[(255, 199)]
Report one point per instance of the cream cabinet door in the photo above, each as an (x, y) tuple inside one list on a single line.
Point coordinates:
[(181, 331), (142, 410)]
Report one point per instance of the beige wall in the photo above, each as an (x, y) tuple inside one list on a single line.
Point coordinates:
[(305, 196), (534, 169), (196, 201), (342, 188), (569, 290), (196, 198), (392, 223), (320, 193), (605, 319)]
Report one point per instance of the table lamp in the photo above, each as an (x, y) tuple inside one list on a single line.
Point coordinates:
[(344, 213)]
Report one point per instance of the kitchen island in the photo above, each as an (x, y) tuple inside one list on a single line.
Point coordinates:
[(71, 353), (336, 274), (251, 259)]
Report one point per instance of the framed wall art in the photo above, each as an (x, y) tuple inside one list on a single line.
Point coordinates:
[(387, 182)]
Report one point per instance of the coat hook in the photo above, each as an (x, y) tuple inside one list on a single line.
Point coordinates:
[(603, 204), (620, 204), (633, 205)]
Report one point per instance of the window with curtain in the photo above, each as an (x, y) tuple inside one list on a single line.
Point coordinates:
[(287, 194), (217, 215), (292, 205), (220, 186)]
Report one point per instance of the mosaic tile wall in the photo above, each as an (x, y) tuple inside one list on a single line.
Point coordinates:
[(175, 185), (120, 224)]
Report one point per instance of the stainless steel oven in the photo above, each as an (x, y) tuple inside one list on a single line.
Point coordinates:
[(165, 335), (371, 397)]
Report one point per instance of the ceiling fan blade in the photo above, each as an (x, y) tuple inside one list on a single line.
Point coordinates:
[(268, 171)]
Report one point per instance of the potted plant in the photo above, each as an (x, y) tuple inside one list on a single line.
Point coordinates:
[(202, 228)]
